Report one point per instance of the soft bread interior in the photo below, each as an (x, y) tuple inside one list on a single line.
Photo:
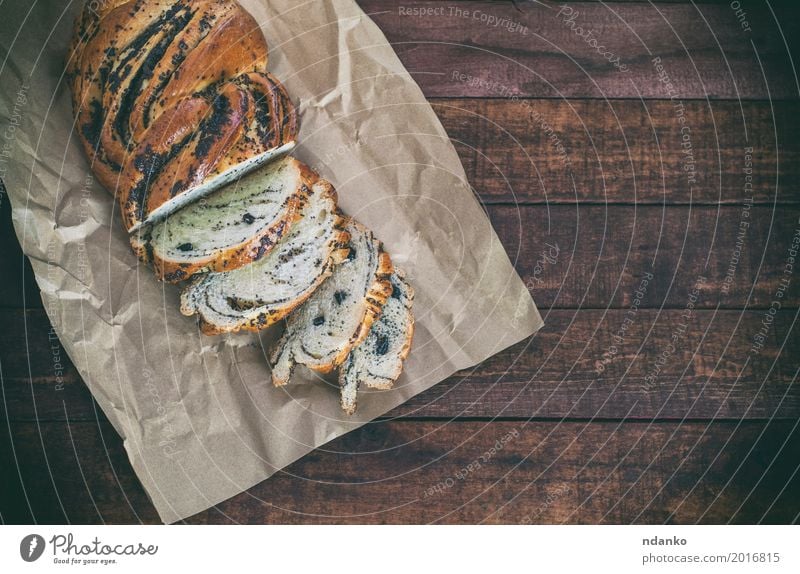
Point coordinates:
[(327, 322), (330, 323), (230, 216), (212, 184), (277, 282)]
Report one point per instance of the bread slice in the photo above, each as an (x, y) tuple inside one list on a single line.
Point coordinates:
[(341, 312), (233, 226), (378, 361), (257, 295)]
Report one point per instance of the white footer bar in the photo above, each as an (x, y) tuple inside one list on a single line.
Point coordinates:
[(387, 549)]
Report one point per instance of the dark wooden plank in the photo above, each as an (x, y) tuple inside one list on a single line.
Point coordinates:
[(595, 256), (583, 364), (626, 151), (421, 472), (537, 51), (55, 473), (17, 287)]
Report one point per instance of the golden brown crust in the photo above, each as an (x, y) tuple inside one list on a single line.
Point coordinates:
[(271, 121), (86, 26), (406, 345), (282, 123), (232, 47), (170, 131), (139, 243), (195, 159), (108, 32)]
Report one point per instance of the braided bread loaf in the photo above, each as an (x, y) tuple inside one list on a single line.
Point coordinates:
[(172, 100)]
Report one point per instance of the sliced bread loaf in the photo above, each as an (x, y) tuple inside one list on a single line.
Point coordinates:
[(378, 361), (230, 228), (341, 312), (257, 295), (172, 100)]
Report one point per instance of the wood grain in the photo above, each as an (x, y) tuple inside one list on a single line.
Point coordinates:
[(626, 151), (583, 364), (705, 51), (421, 472), (603, 252)]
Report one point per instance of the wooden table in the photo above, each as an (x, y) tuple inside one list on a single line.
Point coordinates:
[(670, 402)]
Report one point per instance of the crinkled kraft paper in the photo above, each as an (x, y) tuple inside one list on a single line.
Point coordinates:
[(200, 419)]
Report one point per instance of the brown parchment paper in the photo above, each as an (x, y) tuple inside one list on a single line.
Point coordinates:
[(200, 419)]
